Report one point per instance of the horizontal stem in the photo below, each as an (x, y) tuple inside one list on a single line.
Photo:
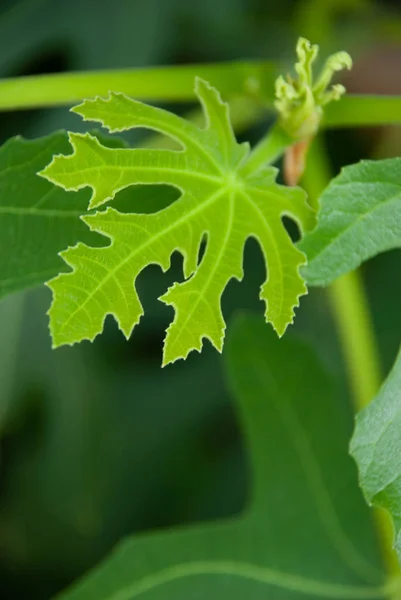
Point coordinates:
[(363, 110), (158, 84), (176, 83)]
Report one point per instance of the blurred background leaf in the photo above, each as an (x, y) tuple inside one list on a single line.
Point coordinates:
[(96, 441), (297, 430)]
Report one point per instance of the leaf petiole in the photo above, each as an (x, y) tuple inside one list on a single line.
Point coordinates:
[(268, 150)]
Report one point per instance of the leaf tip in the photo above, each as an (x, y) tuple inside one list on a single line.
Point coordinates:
[(79, 108), (201, 83)]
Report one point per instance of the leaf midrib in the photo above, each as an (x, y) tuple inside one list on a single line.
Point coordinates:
[(264, 575), (230, 222), (45, 212), (156, 168), (327, 513), (273, 245)]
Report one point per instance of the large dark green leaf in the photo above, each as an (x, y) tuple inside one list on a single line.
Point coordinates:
[(93, 436), (306, 532), (36, 220), (10, 326)]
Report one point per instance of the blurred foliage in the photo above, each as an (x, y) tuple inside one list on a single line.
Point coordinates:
[(297, 448), (97, 441)]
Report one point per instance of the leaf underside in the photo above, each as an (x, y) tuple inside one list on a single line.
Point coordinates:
[(306, 533), (218, 204), (360, 217), (376, 447)]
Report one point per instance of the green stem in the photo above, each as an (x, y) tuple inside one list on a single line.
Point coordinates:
[(351, 311), (158, 84), (362, 111), (268, 150), (252, 78), (348, 301), (355, 329)]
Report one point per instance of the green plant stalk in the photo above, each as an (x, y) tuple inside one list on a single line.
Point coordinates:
[(253, 79), (351, 314), (268, 150), (153, 84), (351, 311), (362, 110)]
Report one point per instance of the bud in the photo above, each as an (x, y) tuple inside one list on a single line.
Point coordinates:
[(300, 100)]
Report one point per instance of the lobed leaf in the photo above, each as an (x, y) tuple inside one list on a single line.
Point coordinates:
[(360, 217), (218, 203), (301, 536), (39, 220), (376, 447)]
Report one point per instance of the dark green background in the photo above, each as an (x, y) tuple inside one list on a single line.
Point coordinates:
[(97, 441)]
